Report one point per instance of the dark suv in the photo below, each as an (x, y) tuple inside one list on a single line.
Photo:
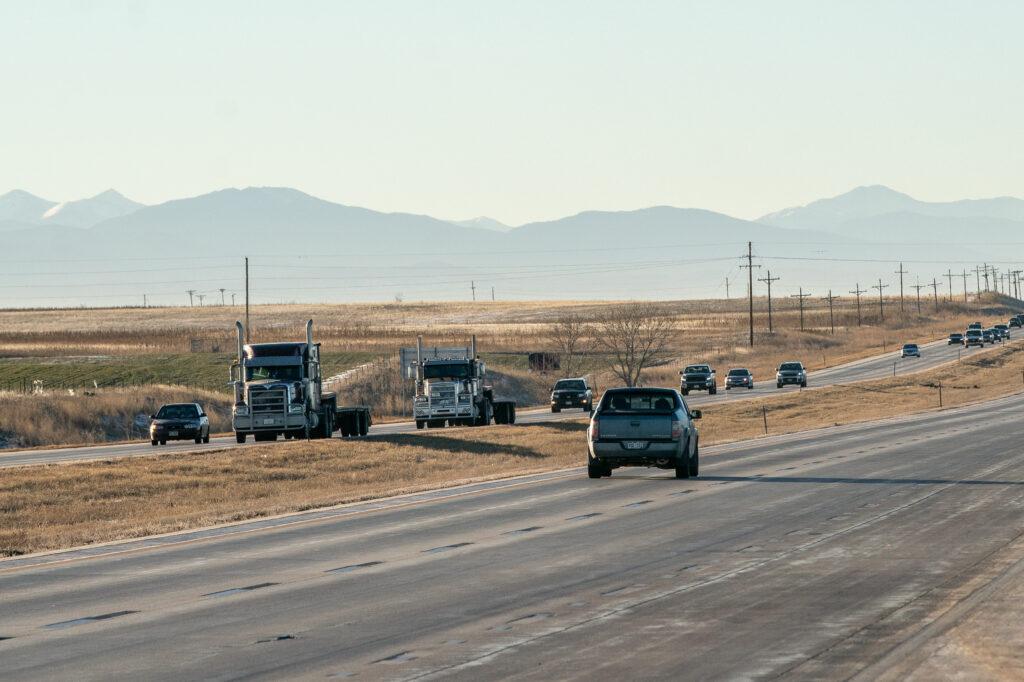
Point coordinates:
[(572, 393), (698, 378), (791, 373), (179, 421)]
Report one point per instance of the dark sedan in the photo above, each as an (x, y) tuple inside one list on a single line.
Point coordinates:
[(179, 421)]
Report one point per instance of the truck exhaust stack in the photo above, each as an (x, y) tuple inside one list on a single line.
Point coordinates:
[(241, 340), (309, 333)]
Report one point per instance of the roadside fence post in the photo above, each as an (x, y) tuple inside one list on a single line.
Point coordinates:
[(940, 394), (894, 369), (764, 415)]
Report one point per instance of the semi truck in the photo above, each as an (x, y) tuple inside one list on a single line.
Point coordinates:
[(450, 389), (279, 391)]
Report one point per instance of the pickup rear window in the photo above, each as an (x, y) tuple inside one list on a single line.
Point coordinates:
[(639, 401), (697, 369)]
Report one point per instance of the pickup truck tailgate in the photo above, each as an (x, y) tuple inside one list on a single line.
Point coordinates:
[(635, 426)]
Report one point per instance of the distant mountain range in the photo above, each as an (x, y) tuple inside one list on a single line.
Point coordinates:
[(307, 248), (19, 209)]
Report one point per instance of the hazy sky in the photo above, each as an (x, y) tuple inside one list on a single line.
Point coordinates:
[(517, 110)]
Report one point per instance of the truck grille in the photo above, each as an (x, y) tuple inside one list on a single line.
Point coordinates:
[(268, 400), (442, 396)]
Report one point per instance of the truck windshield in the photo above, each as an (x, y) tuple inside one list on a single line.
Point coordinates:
[(639, 402), (738, 372), (281, 373), (448, 370), (570, 385), (697, 369), (791, 367)]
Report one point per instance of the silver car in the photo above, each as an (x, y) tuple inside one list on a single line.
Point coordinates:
[(649, 427)]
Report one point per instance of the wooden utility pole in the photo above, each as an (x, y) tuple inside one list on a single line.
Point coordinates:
[(901, 272), (857, 292), (935, 290), (801, 296), (769, 279), (831, 315), (881, 308), (918, 286), (222, 290), (984, 270), (977, 278), (949, 277), (1016, 283), (750, 286), (492, 294), (472, 285), (964, 277), (191, 293), (726, 288)]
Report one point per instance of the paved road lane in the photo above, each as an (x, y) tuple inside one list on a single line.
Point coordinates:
[(813, 555)]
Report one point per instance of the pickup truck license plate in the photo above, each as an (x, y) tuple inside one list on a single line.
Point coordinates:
[(268, 421), (172, 433), (635, 444)]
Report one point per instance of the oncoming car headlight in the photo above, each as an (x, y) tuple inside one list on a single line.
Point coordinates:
[(295, 409)]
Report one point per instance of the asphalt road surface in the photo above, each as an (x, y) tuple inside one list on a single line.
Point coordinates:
[(934, 354), (892, 549)]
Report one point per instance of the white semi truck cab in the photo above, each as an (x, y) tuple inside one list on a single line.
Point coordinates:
[(450, 390)]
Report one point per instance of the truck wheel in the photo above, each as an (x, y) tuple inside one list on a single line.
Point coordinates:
[(778, 385), (751, 386), (198, 440), (803, 384), (163, 442), (420, 424), (682, 469), (695, 462), (727, 387), (714, 390), (686, 391), (556, 409), (239, 437), (153, 442), (594, 469)]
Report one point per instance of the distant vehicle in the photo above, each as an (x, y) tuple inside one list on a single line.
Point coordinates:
[(572, 393), (739, 377), (997, 336), (791, 373), (179, 421), (1014, 322), (1003, 329), (910, 350), (987, 336), (975, 325), (956, 339), (698, 378), (279, 390), (974, 337), (651, 427)]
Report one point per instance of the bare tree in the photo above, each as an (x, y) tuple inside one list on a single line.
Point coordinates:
[(636, 337), (570, 337)]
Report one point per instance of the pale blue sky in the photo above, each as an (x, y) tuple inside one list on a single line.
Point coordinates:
[(516, 110)]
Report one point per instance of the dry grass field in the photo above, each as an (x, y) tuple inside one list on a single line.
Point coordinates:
[(139, 347), (67, 505)]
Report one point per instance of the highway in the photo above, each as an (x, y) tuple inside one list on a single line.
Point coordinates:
[(888, 550), (877, 367)]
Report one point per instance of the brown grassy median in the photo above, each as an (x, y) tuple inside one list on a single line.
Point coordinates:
[(66, 505)]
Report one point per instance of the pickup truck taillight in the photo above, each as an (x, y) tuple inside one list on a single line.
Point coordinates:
[(593, 430), (677, 429)]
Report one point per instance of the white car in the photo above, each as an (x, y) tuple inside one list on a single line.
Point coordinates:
[(910, 350)]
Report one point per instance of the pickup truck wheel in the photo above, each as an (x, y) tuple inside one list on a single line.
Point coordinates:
[(803, 384), (419, 424), (595, 470), (727, 387), (198, 440), (683, 470), (686, 391), (695, 462), (751, 386), (153, 442), (778, 385), (714, 390), (239, 437), (163, 442), (556, 409)]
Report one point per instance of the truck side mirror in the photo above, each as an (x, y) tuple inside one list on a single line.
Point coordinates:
[(696, 414)]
